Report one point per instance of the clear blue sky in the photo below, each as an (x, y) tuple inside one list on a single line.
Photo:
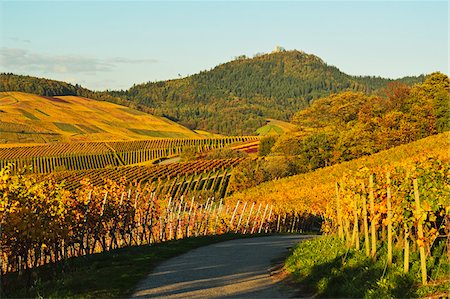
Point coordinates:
[(113, 44)]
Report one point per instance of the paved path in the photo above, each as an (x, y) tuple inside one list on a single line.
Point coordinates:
[(237, 268)]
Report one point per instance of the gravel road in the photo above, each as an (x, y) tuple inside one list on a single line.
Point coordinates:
[(237, 268)]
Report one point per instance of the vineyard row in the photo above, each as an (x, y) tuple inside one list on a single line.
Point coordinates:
[(407, 210), (47, 160), (174, 179), (97, 222), (93, 147)]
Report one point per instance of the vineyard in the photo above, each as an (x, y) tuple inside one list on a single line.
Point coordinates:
[(28, 118), (396, 200), (94, 155), (101, 218), (174, 179)]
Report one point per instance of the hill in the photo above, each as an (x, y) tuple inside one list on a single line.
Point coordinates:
[(28, 118), (237, 97), (233, 98), (311, 192)]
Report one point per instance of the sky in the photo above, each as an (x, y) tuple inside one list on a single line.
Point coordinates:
[(115, 44)]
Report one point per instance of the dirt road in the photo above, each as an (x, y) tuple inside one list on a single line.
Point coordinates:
[(237, 268)]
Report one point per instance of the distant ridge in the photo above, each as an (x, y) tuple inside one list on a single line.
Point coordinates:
[(233, 98)]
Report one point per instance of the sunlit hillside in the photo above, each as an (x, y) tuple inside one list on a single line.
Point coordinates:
[(28, 118), (312, 192)]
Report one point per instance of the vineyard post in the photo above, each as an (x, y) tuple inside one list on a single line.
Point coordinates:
[(240, 217), (284, 222), (355, 235), (83, 247), (248, 218), (189, 218), (160, 229), (278, 223), (268, 219), (366, 226), (389, 218), (183, 219), (198, 222), (166, 219), (406, 252), (198, 211), (150, 223), (203, 217), (219, 210), (291, 230), (420, 241), (127, 216), (339, 216), (208, 215), (263, 218), (447, 232), (172, 212), (372, 214), (178, 217), (256, 218), (232, 217)]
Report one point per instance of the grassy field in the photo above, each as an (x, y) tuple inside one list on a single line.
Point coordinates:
[(107, 275), (275, 127), (28, 118), (326, 268)]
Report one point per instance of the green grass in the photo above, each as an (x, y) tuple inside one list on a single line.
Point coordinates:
[(68, 128), (105, 275), (325, 267), (90, 128), (28, 115), (269, 128)]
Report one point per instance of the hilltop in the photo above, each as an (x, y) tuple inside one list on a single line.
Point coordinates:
[(28, 118), (232, 98), (236, 97)]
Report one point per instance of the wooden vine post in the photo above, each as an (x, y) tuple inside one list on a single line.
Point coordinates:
[(420, 241), (389, 219), (355, 235), (339, 216), (406, 251), (372, 214), (232, 217), (366, 226), (240, 217)]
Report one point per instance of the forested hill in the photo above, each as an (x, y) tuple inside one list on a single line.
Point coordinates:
[(236, 97)]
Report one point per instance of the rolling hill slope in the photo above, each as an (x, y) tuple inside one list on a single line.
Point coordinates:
[(28, 118), (312, 192)]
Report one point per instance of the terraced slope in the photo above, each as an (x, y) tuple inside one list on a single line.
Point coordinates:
[(28, 118), (51, 157)]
